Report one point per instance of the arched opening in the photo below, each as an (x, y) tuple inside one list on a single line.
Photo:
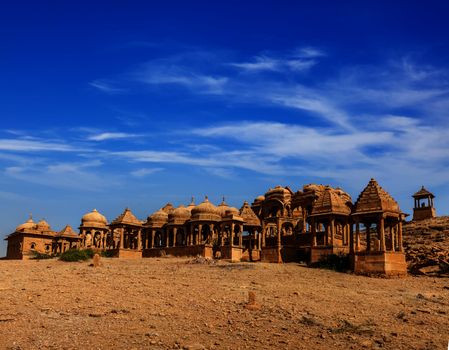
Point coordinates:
[(205, 233), (180, 239), (158, 239)]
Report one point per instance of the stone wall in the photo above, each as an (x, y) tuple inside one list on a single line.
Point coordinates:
[(231, 253), (380, 263), (424, 213), (269, 254)]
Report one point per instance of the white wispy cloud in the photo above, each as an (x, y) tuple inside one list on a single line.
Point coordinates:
[(199, 82), (260, 63), (111, 136), (106, 86), (145, 171), (24, 145), (308, 52), (275, 64)]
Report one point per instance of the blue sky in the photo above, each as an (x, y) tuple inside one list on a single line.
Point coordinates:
[(113, 104)]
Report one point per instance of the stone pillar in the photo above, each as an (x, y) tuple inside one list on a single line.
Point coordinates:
[(368, 238), (175, 231), (200, 238), (400, 247), (139, 239), (241, 238), (232, 235), (326, 238), (278, 247), (312, 223), (122, 238), (393, 238), (304, 221), (351, 238), (167, 237), (264, 233), (381, 233), (332, 231), (150, 238), (357, 237)]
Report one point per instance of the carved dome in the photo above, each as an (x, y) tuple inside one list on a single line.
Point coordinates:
[(332, 202), (28, 225), (259, 199), (181, 213), (206, 211), (159, 216), (94, 219), (232, 211), (276, 190), (223, 208), (43, 226)]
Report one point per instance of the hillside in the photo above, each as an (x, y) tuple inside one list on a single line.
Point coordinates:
[(426, 245)]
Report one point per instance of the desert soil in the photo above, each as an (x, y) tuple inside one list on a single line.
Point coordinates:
[(168, 304)]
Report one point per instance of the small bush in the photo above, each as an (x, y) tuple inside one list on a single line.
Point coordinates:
[(340, 262), (40, 256), (77, 255), (108, 254)]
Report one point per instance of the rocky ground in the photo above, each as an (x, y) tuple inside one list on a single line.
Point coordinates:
[(426, 245), (167, 303)]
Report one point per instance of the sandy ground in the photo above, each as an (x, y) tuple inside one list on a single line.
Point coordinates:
[(168, 304)]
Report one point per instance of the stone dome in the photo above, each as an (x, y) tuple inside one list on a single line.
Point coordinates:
[(232, 211), (179, 213), (43, 226), (259, 199), (223, 208), (94, 219), (28, 225), (205, 207), (206, 211), (159, 215)]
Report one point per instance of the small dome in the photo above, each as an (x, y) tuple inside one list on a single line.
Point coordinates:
[(259, 199), (159, 215), (205, 207), (206, 211), (223, 208), (93, 219), (43, 225), (28, 225), (232, 211), (180, 212), (278, 190)]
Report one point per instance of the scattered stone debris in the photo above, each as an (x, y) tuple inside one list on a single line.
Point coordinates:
[(202, 260)]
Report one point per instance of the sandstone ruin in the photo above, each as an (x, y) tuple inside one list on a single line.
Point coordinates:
[(280, 226)]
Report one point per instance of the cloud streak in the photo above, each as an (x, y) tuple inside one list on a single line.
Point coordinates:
[(111, 136)]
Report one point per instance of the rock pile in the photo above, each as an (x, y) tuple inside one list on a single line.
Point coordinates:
[(202, 260), (426, 245)]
